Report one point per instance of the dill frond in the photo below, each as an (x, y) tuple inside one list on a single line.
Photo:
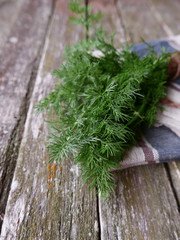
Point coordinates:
[(101, 104)]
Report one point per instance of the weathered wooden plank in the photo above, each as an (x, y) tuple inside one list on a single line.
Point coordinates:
[(143, 205), (139, 21), (48, 202), (7, 9), (167, 13), (18, 58), (174, 174)]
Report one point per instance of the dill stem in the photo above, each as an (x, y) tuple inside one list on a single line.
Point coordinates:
[(138, 113), (86, 18)]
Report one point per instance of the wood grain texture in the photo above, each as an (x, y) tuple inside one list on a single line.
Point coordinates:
[(139, 21), (48, 201), (18, 58), (142, 208), (167, 14), (174, 175), (8, 8)]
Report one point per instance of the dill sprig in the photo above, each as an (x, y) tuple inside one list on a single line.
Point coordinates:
[(101, 104), (85, 18)]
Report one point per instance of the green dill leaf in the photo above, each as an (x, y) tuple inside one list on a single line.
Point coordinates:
[(101, 103)]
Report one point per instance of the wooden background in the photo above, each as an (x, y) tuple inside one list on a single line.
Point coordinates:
[(39, 201)]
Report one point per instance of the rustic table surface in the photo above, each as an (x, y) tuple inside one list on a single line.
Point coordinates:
[(41, 201)]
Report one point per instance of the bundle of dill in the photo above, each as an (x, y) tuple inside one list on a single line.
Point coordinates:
[(101, 105)]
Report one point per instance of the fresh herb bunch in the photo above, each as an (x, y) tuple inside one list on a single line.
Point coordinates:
[(101, 104)]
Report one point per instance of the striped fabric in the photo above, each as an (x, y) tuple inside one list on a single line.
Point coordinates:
[(161, 143)]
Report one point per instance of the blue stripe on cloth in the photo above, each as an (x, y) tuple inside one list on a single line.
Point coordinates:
[(177, 81), (165, 142), (142, 48), (161, 138)]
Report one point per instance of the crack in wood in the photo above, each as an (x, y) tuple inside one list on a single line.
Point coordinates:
[(172, 185), (98, 216), (125, 32), (12, 150)]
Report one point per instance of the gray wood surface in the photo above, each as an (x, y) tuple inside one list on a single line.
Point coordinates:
[(8, 8), (19, 59), (167, 13), (48, 201), (139, 21), (143, 206)]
